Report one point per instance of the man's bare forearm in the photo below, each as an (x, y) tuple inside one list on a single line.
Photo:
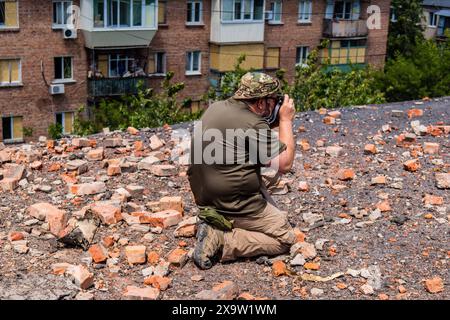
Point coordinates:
[(286, 136)]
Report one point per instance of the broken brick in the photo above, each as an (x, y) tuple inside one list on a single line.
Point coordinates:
[(434, 285), (345, 174), (411, 165), (279, 268), (135, 254), (177, 257), (135, 293), (98, 253), (158, 282), (163, 219), (171, 203)]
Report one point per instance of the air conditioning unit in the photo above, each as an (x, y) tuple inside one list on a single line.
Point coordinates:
[(268, 15), (69, 33), (56, 89)]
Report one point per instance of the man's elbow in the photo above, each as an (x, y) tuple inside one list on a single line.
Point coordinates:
[(285, 168)]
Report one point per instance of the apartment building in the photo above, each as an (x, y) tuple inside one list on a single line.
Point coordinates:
[(436, 18), (48, 69)]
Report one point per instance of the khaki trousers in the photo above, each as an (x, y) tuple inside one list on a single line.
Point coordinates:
[(265, 233)]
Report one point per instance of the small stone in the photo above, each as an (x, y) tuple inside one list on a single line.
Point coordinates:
[(299, 260), (411, 165), (334, 151), (367, 289), (156, 143), (303, 186), (345, 174), (279, 268), (164, 170), (442, 180), (316, 292), (370, 149), (98, 253), (163, 219), (135, 254), (226, 290), (177, 257), (81, 276), (431, 148), (434, 285), (95, 155), (136, 293)]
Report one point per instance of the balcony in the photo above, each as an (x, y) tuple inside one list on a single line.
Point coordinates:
[(115, 24), (345, 28), (109, 87)]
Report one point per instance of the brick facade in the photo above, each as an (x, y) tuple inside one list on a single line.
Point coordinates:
[(36, 41)]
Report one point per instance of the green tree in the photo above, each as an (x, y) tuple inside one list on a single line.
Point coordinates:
[(143, 109), (321, 85), (407, 30), (425, 73)]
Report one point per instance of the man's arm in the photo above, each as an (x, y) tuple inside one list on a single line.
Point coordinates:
[(283, 162)]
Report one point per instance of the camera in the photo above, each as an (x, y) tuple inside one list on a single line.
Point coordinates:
[(272, 120)]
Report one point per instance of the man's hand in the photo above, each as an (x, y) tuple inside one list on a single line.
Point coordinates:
[(283, 163), (287, 111)]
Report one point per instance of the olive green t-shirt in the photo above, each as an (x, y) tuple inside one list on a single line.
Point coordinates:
[(234, 143)]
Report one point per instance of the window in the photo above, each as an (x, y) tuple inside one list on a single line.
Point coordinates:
[(302, 56), (194, 11), (10, 72), (120, 64), (242, 10), (12, 129), (305, 11), (343, 10), (157, 63), (273, 58), (193, 62), (61, 10), (9, 17), (432, 22), (162, 12), (65, 119), (63, 68), (393, 14), (348, 51), (2, 13), (124, 13), (276, 9)]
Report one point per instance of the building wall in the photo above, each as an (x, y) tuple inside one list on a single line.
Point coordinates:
[(292, 34), (176, 38), (35, 42), (377, 39)]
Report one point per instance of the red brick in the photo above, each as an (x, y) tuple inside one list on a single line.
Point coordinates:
[(158, 282), (163, 219), (98, 253), (135, 254)]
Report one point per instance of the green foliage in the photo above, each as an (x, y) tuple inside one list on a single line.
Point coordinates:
[(143, 109), (82, 126), (407, 30), (55, 130), (320, 85), (27, 131), (425, 73)]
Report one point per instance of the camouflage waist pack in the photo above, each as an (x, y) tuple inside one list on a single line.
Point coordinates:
[(212, 217)]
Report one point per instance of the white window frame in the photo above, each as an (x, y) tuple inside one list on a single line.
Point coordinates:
[(13, 83), (432, 19), (12, 140), (63, 113), (142, 26), (346, 3), (299, 60), (273, 5), (242, 20), (127, 59), (192, 13), (63, 80), (61, 2), (191, 72), (304, 17), (163, 61), (3, 26)]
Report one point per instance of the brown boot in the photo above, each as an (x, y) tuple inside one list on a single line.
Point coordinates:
[(209, 243)]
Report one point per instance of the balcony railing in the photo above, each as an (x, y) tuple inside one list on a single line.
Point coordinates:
[(345, 28), (115, 86)]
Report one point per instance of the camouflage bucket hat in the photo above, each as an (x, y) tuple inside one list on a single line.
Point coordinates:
[(256, 85)]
